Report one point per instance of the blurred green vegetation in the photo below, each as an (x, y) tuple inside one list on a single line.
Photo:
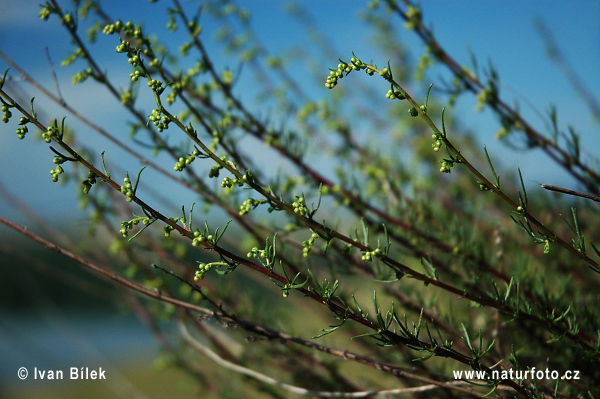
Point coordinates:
[(33, 275)]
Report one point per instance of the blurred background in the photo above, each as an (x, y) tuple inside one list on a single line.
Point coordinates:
[(53, 315)]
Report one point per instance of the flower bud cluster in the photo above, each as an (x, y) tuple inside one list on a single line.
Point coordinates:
[(437, 142), (216, 169), (79, 53), (199, 238), (22, 130), (127, 189), (227, 76), (425, 61), (257, 253), (413, 16), (300, 206), (156, 85), (135, 75), (128, 225), (57, 171), (488, 95), (446, 165), (307, 250), (134, 55), (250, 204), (134, 60), (395, 95), (413, 112), (45, 13), (51, 131), (229, 183), (161, 122), (7, 114), (87, 183), (368, 255), (168, 228), (171, 24), (356, 65), (176, 88), (215, 140), (67, 20), (129, 29), (127, 97), (483, 186), (183, 162), (80, 77), (124, 47), (343, 68), (202, 269)]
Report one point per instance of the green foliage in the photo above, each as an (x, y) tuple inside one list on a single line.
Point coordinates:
[(418, 268)]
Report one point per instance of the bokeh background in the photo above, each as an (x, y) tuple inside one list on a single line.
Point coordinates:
[(46, 323)]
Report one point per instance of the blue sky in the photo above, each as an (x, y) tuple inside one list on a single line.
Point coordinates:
[(501, 31)]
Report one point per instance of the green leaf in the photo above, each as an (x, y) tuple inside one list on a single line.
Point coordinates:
[(217, 235), (106, 173), (3, 78), (142, 229), (496, 177), (326, 331), (365, 232), (362, 313), (524, 198), (467, 339), (444, 122), (427, 98), (32, 111), (137, 180)]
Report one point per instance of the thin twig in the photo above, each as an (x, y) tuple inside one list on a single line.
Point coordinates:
[(322, 394), (570, 192), (62, 100), (131, 285), (205, 311)]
